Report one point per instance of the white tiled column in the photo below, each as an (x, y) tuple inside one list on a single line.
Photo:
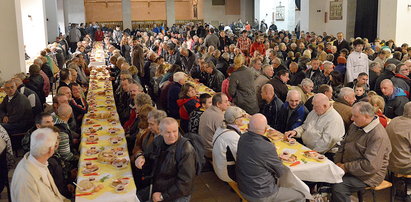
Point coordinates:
[(171, 17), (126, 8)]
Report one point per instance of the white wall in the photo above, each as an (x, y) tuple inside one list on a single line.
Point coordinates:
[(34, 26), (216, 14), (74, 12), (11, 40), (60, 15), (387, 19), (304, 16), (268, 7), (403, 34), (51, 16)]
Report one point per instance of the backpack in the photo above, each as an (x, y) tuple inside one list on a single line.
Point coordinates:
[(197, 142)]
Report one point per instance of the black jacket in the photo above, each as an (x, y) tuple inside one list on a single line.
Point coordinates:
[(280, 88), (18, 110), (296, 78), (188, 62), (384, 75), (36, 83), (38, 107), (342, 45), (215, 80), (173, 177), (271, 111)]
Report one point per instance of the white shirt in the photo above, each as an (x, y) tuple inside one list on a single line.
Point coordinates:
[(43, 169), (357, 63)]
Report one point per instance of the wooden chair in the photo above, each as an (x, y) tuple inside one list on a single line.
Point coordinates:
[(234, 186), (383, 185), (400, 177)]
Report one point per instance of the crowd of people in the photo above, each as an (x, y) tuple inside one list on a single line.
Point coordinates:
[(346, 99)]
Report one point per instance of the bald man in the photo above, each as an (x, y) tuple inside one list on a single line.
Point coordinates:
[(322, 129), (258, 166), (395, 99), (271, 105), (292, 113)]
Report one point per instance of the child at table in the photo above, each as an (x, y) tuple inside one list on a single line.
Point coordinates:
[(187, 103)]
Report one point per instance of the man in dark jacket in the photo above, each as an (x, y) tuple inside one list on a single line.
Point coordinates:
[(173, 178), (241, 89), (292, 113), (316, 75), (388, 73), (341, 43), (395, 99), (15, 110), (179, 79), (258, 166), (215, 77), (188, 59), (137, 57), (35, 103), (271, 105), (279, 83)]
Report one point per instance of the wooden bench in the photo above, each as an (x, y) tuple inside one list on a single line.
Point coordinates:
[(399, 177), (234, 186), (384, 185)]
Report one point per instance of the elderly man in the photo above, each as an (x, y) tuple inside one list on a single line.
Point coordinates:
[(395, 99), (267, 74), (305, 89), (279, 83), (401, 79), (15, 110), (32, 180), (179, 79), (363, 154), (323, 128), (255, 66), (346, 98), (398, 132), (258, 166), (241, 89), (341, 43), (362, 79), (211, 119), (292, 113), (35, 103), (188, 59), (214, 77), (271, 105), (388, 73), (173, 180), (357, 61), (315, 74), (375, 71)]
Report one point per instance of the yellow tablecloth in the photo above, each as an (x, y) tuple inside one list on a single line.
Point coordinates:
[(100, 120)]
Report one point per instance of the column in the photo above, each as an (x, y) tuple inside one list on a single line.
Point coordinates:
[(52, 24), (60, 16), (11, 39), (171, 17), (74, 12), (33, 15), (393, 17), (126, 8)]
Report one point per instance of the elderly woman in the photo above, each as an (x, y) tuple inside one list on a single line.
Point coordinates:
[(187, 103), (144, 146), (225, 141), (305, 89)]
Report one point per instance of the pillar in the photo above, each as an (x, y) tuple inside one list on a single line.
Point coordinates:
[(60, 16), (11, 39), (51, 19), (33, 14), (126, 8), (170, 10), (393, 17), (74, 12)]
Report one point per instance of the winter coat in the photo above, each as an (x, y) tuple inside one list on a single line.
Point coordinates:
[(241, 89)]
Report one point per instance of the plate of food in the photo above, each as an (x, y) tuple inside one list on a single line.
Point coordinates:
[(115, 140), (288, 157), (85, 186), (89, 121), (274, 134), (89, 167), (119, 151), (92, 151), (120, 181), (91, 139), (314, 155), (113, 130), (120, 163), (290, 141), (106, 157)]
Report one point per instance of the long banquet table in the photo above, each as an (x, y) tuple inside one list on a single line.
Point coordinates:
[(103, 144)]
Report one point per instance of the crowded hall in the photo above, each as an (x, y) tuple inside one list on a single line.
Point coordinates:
[(205, 100)]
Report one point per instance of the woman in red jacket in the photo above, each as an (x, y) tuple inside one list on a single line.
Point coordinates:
[(99, 35), (187, 103)]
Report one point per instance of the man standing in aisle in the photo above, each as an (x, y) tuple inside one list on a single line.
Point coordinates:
[(357, 61)]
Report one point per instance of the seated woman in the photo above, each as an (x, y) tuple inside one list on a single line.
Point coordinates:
[(378, 103), (187, 103), (225, 143), (78, 103)]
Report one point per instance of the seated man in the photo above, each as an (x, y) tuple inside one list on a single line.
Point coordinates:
[(292, 113), (258, 166), (179, 79), (323, 128), (279, 83), (78, 103), (214, 77), (398, 132), (15, 110), (346, 98), (211, 119), (395, 99), (173, 180), (271, 105), (133, 90), (225, 143), (325, 89), (305, 89), (362, 79), (35, 103), (32, 180), (363, 154)]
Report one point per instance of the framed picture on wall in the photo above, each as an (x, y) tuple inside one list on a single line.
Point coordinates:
[(280, 13), (336, 10)]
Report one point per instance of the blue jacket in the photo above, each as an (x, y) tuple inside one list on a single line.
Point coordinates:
[(296, 119), (394, 105)]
